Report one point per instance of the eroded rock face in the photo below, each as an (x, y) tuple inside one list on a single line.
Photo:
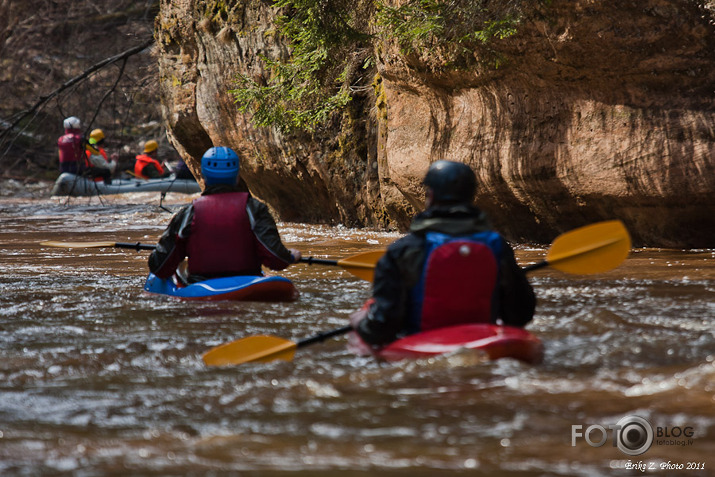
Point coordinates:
[(604, 110), (328, 178)]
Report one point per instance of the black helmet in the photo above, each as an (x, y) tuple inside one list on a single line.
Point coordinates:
[(451, 181)]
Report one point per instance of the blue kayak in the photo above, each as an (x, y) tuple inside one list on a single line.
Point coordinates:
[(241, 288)]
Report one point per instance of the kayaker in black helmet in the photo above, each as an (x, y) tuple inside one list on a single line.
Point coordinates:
[(451, 269), (225, 232)]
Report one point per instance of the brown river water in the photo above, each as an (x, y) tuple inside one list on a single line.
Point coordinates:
[(99, 378)]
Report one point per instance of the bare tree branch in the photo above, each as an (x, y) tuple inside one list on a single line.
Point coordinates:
[(77, 79), (106, 95)]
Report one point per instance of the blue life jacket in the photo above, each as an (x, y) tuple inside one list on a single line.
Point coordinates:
[(458, 281)]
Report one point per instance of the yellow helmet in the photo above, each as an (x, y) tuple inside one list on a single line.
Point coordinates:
[(97, 135), (150, 146)]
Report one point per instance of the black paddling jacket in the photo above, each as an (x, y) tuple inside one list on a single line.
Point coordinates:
[(399, 288)]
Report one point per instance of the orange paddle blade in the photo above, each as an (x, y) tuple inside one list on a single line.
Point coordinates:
[(260, 348), (595, 248), (362, 265)]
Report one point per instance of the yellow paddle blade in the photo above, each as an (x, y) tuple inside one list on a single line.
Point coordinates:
[(78, 244), (362, 265), (262, 349), (595, 248)]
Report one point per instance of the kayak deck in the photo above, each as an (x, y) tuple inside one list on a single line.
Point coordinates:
[(494, 340), (238, 288)]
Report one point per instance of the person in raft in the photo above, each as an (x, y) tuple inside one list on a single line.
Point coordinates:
[(225, 232), (147, 166), (451, 269), (71, 147), (181, 171), (98, 163)]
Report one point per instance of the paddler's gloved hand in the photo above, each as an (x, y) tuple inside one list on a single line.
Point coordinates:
[(357, 316), (296, 255), (354, 341)]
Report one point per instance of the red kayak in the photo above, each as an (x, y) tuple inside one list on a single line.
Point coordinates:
[(494, 340)]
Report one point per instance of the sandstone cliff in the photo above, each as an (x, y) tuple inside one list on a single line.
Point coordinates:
[(604, 109)]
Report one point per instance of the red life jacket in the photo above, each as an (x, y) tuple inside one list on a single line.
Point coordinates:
[(142, 160), (71, 148), (458, 281), (222, 242)]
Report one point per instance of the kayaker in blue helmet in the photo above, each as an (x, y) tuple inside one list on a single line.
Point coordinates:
[(451, 269), (225, 232)]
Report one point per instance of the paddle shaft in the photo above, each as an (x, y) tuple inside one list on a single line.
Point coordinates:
[(360, 265), (317, 338), (135, 246), (143, 246), (536, 266), (319, 261), (311, 260)]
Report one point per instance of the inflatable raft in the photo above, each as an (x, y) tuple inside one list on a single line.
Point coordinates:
[(68, 184)]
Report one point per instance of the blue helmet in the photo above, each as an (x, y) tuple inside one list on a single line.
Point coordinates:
[(451, 181), (220, 165)]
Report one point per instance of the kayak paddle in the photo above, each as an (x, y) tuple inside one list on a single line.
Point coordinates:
[(263, 348), (135, 246), (591, 249), (361, 265), (595, 248)]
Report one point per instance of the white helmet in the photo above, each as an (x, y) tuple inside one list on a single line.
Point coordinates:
[(72, 123)]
